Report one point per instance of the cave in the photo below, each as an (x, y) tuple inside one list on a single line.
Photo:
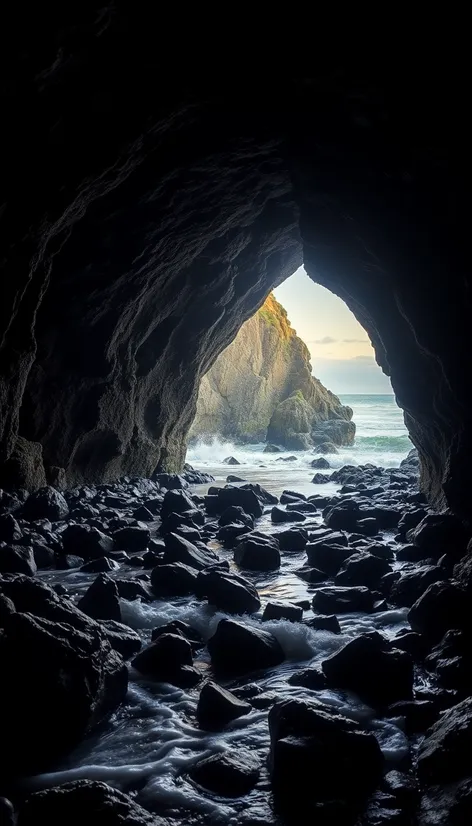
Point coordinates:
[(141, 229)]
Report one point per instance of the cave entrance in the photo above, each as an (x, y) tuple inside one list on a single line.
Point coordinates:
[(267, 402)]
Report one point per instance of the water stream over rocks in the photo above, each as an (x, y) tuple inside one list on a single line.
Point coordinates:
[(329, 571)]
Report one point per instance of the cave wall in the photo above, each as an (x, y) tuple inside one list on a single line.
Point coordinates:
[(142, 224)]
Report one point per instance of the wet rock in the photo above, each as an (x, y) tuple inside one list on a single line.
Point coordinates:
[(307, 740), (286, 459), (279, 515), (440, 532), (328, 622), (45, 503), (231, 478), (327, 555), (231, 534), (417, 715), (230, 460), (382, 810), (227, 774), (411, 642), (175, 579), (321, 463), (7, 607), (463, 571), (196, 477), (325, 448), (239, 497), (445, 755), (170, 481), (132, 539), (451, 660), (363, 569), (269, 448), (101, 601), (17, 560), (143, 514), (372, 668), (179, 627), (446, 805), (302, 507), (404, 787), (84, 801), (99, 566), (121, 638), (275, 610), (321, 478), (258, 554), (176, 501), (132, 589), (442, 606), (337, 600), (235, 514), (78, 679), (86, 541), (67, 562), (178, 549), (218, 707), (410, 553), (343, 516), (412, 584), (10, 530), (312, 678), (291, 496), (311, 575), (293, 539), (169, 660), (239, 649), (228, 592)]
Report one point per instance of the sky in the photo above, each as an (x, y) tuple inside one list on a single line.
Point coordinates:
[(341, 353)]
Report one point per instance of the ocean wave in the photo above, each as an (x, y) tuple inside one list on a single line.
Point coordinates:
[(388, 443)]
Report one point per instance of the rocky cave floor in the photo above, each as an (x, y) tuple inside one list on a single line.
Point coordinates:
[(288, 706)]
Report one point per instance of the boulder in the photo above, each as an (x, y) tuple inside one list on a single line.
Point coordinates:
[(445, 755), (175, 579), (312, 678), (99, 566), (78, 679), (170, 481), (329, 553), (412, 584), (24, 468), (239, 649), (311, 575), (169, 660), (84, 801), (143, 514), (233, 514), (320, 464), (176, 501), (451, 661), (230, 460), (121, 638), (228, 592), (329, 622), (279, 515), (326, 448), (317, 757), (86, 541), (441, 532), (178, 549), (227, 774), (269, 448), (239, 497), (363, 569), (291, 496), (337, 600), (372, 668), (132, 539), (321, 478), (442, 606), (15, 559), (446, 805), (179, 627), (275, 610), (132, 589), (10, 530), (292, 539), (45, 503), (258, 554), (218, 707), (101, 600), (231, 534), (342, 516)]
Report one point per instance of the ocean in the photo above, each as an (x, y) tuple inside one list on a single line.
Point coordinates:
[(381, 438)]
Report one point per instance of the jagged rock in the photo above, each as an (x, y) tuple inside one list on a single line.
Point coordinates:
[(132, 539), (17, 560), (228, 592), (412, 584), (269, 448), (449, 804), (143, 514), (311, 575), (121, 638), (217, 707), (312, 678), (235, 514), (442, 606), (343, 516), (258, 554), (45, 503), (101, 600), (262, 494), (230, 460), (240, 497), (10, 530), (363, 569), (337, 600), (327, 555), (86, 541), (371, 667), (320, 464), (176, 501), (231, 534), (444, 755), (292, 539), (170, 481), (24, 467), (169, 660), (99, 566), (451, 661), (279, 515), (239, 649), (84, 801), (178, 627), (175, 579), (441, 532), (329, 622), (226, 774), (132, 589), (275, 610), (307, 739), (178, 549)]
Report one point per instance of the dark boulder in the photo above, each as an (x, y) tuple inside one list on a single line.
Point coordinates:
[(240, 497), (78, 679), (446, 804), (337, 600), (45, 503), (233, 514), (143, 514), (317, 757), (445, 754), (10, 530), (227, 774), (175, 579), (239, 649), (325, 448), (178, 549), (291, 496), (176, 501), (371, 667), (275, 610), (414, 644), (99, 566), (293, 539), (343, 516), (228, 592), (363, 569), (320, 464), (269, 448), (179, 627), (84, 801), (441, 532), (262, 494), (279, 515), (321, 478), (412, 584), (132, 539), (442, 606), (258, 554), (86, 541), (132, 589), (169, 660), (329, 622), (311, 575), (218, 707), (101, 601), (170, 481), (327, 554), (451, 661), (121, 638), (232, 478), (15, 559), (230, 460), (312, 678), (231, 534)]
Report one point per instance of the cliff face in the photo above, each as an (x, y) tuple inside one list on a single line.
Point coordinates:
[(261, 385)]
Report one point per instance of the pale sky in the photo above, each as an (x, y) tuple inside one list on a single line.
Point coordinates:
[(341, 353)]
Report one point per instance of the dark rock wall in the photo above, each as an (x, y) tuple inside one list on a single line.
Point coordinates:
[(142, 225)]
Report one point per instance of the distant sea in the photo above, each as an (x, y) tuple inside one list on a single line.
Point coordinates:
[(381, 438)]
